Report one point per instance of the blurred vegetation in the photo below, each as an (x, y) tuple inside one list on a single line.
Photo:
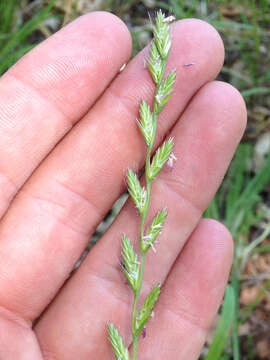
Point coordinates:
[(243, 201)]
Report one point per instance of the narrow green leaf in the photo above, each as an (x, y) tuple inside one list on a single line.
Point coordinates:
[(153, 231), (146, 124), (224, 326), (248, 198), (11, 58), (136, 191), (120, 351), (130, 268), (7, 11), (146, 309), (25, 30), (255, 91), (160, 158)]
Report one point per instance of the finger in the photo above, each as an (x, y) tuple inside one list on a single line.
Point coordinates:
[(48, 90), (17, 339), (53, 216), (204, 145), (191, 296)]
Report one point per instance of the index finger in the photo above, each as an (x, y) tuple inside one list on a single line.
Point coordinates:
[(36, 96)]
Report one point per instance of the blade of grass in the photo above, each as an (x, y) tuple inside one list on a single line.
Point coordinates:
[(255, 91), (248, 310), (7, 9), (233, 25), (262, 249), (12, 58), (249, 198), (235, 179), (25, 31), (213, 210), (224, 326), (250, 247), (236, 290), (237, 74)]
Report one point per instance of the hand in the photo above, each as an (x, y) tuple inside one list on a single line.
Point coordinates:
[(67, 135)]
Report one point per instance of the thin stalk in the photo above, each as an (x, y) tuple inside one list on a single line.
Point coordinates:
[(131, 267), (235, 285), (143, 219), (134, 308)]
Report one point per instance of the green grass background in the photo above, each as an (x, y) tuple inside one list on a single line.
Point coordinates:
[(242, 202)]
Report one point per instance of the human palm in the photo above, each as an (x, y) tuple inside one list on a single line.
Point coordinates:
[(67, 135)]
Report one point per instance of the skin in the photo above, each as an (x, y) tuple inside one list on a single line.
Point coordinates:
[(67, 136)]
